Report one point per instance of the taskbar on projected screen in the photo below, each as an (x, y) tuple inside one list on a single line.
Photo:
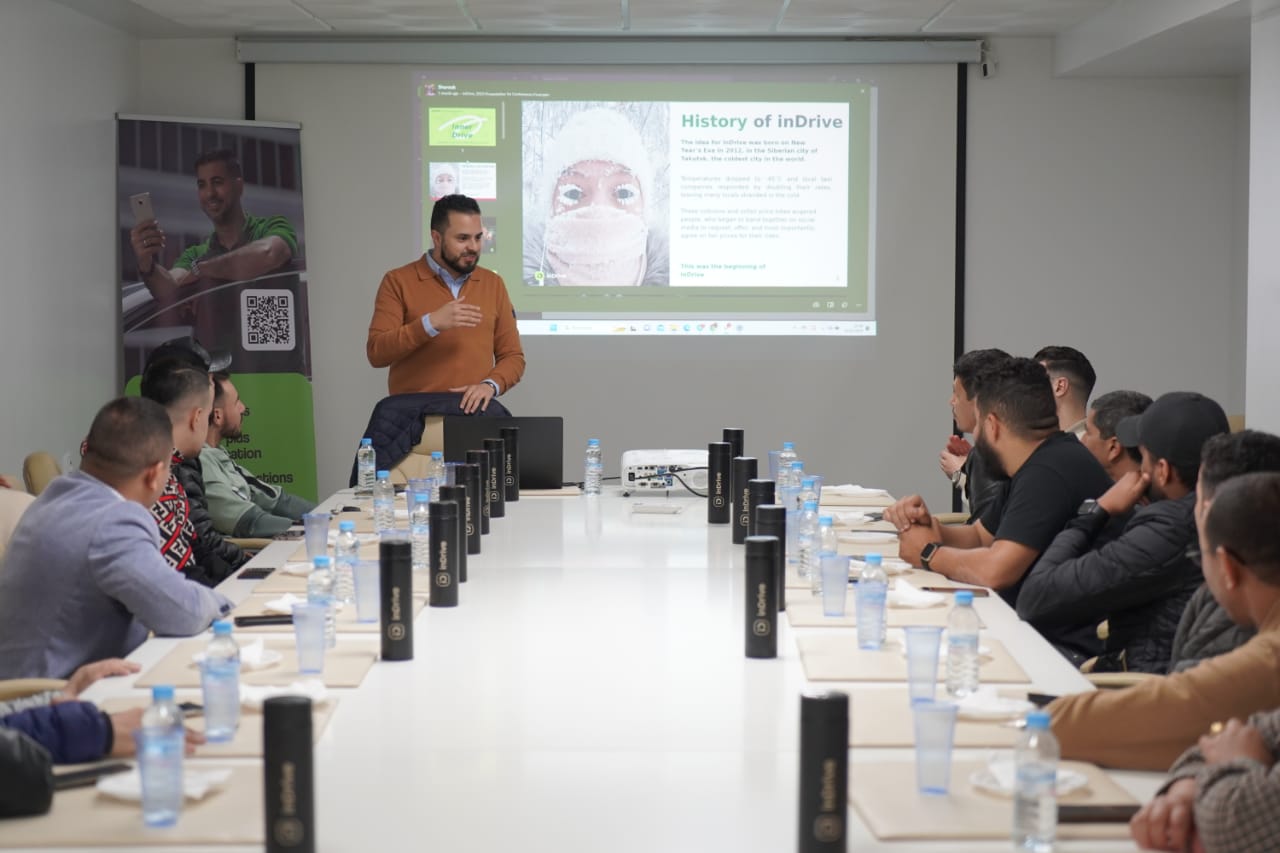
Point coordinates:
[(697, 326)]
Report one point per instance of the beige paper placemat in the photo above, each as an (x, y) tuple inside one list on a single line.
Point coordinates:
[(255, 605), (247, 742), (836, 657), (363, 520), (82, 817), (345, 665), (805, 611), (885, 795), (281, 581), (881, 717), (876, 501)]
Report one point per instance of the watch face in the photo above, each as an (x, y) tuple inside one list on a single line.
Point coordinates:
[(1087, 507)]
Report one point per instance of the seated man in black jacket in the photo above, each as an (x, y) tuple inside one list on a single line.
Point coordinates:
[(1205, 630), (1141, 580)]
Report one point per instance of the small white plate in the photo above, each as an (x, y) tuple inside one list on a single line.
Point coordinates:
[(1069, 782)]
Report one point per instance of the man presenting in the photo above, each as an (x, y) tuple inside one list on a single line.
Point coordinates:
[(442, 323)]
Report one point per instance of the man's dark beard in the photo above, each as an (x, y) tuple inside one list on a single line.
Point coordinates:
[(989, 456)]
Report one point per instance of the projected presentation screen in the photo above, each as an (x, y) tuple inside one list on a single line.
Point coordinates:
[(699, 205)]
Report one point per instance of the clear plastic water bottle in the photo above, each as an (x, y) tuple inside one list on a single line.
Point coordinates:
[(420, 531), (785, 457), (828, 546), (220, 680), (797, 480), (366, 463), (594, 464), (320, 591), (807, 541), (808, 490), (437, 473), (871, 597), (346, 551), (962, 646), (384, 502), (1035, 803), (162, 779)]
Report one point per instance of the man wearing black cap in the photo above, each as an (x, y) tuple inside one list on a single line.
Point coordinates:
[(1140, 581)]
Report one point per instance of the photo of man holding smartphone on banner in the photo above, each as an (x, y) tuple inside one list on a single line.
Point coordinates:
[(212, 247)]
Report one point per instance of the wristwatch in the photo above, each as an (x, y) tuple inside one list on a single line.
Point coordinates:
[(1091, 516), (927, 552)]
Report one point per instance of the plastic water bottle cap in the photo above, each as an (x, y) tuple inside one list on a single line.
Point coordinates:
[(366, 442), (162, 693), (788, 445), (824, 520), (345, 526), (874, 560), (384, 475), (321, 562), (422, 497), (797, 466), (811, 505), (1038, 720), (221, 627), (807, 483), (593, 442), (964, 596), (436, 454)]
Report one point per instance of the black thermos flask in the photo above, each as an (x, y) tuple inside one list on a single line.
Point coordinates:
[(497, 492), (511, 462), (771, 520), (395, 558), (288, 779), (762, 597), (824, 771), (445, 546), (719, 490), (481, 459), (458, 494), (744, 469), (469, 476)]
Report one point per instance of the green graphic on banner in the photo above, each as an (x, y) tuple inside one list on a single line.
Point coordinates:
[(279, 445), (475, 126)]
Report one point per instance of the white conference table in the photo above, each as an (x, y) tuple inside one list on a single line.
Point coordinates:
[(590, 693)]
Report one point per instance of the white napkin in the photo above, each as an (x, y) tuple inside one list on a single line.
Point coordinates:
[(252, 696), (299, 569), (196, 784), (402, 514), (849, 519), (867, 537), (987, 704), (282, 605), (891, 565), (252, 656), (999, 776), (851, 491), (904, 594)]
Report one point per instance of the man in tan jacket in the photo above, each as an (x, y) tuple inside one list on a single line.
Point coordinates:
[(1146, 727)]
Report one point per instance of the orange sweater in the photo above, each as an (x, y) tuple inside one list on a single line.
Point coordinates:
[(454, 357)]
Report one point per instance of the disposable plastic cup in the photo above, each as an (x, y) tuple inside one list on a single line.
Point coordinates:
[(835, 584), (316, 525), (773, 465), (160, 765), (368, 585), (451, 473), (935, 724), (922, 661), (308, 629), (817, 486)]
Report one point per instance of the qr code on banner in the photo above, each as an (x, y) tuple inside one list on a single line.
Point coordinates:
[(266, 320)]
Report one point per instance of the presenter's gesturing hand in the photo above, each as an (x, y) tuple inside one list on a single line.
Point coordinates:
[(475, 396), (454, 315)]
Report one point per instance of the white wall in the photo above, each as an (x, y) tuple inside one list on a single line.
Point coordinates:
[(1264, 227), (190, 78), (62, 79), (1104, 214)]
